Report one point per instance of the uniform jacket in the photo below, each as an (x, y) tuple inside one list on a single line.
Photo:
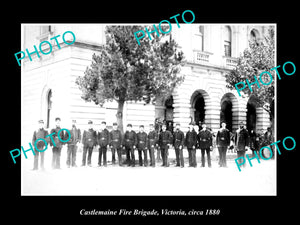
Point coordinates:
[(205, 139), (75, 136), (115, 137), (130, 139), (164, 138), (191, 139), (223, 138), (178, 138), (141, 140), (103, 138), (152, 138), (62, 135), (241, 139), (40, 133), (89, 138)]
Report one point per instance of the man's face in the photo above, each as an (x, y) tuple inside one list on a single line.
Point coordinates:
[(141, 129), (177, 127), (129, 128), (41, 125), (204, 127), (57, 122), (115, 127), (151, 128), (223, 125), (164, 128), (73, 123), (90, 125), (102, 126)]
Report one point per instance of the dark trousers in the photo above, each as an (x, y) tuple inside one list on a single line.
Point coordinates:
[(179, 157), (71, 155), (119, 153), (152, 157), (102, 152), (89, 150), (241, 154), (158, 156), (222, 155), (144, 151), (192, 157), (36, 160), (164, 155), (56, 157), (207, 150), (113, 155), (130, 155)]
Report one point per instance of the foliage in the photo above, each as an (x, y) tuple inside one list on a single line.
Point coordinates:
[(259, 57)]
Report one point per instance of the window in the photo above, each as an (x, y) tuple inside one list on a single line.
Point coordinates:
[(199, 39), (227, 41), (45, 30), (254, 35)]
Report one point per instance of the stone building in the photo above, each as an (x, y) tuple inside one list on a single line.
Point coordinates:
[(49, 89)]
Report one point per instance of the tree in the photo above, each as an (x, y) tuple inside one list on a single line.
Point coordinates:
[(125, 71), (259, 57)]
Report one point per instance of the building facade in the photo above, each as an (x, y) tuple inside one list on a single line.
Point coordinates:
[(49, 89)]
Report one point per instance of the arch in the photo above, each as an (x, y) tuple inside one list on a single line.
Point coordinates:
[(251, 116), (229, 111), (46, 105), (254, 35), (199, 101)]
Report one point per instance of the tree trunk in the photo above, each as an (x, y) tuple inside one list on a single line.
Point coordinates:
[(119, 115)]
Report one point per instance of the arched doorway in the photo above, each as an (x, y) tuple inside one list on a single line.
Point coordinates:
[(169, 110), (229, 111), (251, 114), (198, 104), (226, 114), (49, 107)]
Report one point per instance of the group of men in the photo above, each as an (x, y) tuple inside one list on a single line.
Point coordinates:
[(139, 141)]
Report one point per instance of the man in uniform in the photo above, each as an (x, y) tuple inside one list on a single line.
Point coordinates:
[(142, 146), (103, 141), (191, 142), (178, 145), (56, 149), (72, 145), (89, 141), (130, 141), (241, 141), (116, 143), (41, 133), (223, 141), (152, 142), (164, 140), (205, 144)]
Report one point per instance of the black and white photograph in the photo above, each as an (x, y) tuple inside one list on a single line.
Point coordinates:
[(150, 114), (102, 104)]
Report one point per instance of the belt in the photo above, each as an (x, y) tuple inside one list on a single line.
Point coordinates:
[(103, 138), (222, 138), (203, 139), (116, 140)]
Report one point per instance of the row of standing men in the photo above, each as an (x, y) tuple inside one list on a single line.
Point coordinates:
[(132, 141)]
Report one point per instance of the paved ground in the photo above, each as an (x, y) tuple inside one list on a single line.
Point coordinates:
[(114, 180)]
